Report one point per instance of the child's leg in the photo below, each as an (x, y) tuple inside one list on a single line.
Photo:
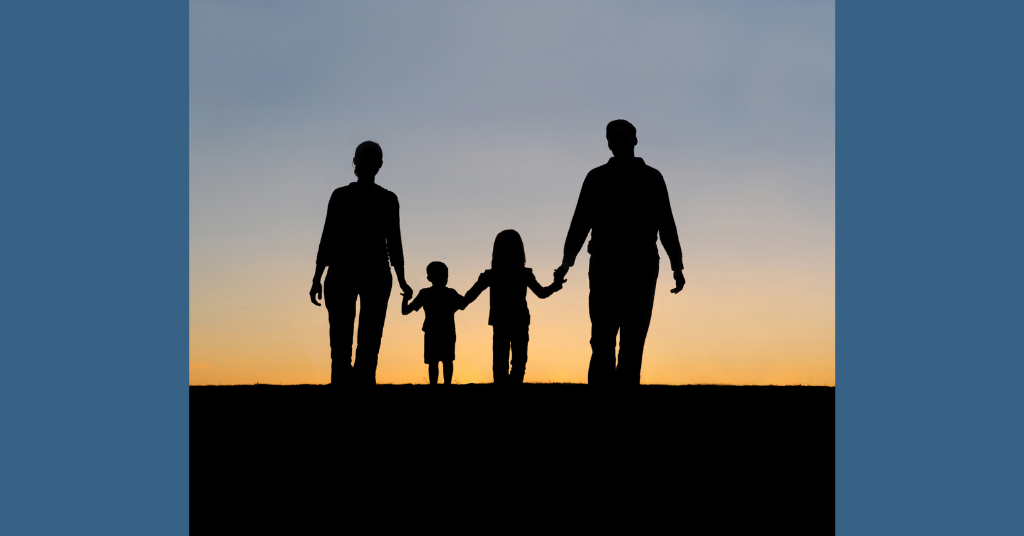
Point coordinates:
[(519, 339), (448, 369), (429, 357), (500, 360)]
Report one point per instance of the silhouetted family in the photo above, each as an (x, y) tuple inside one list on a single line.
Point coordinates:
[(623, 206)]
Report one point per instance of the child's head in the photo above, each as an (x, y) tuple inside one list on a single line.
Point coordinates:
[(508, 250), (437, 273)]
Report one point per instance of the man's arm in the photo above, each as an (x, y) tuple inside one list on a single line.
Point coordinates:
[(579, 228), (669, 235)]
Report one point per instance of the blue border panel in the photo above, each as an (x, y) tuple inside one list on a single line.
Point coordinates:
[(930, 255), (94, 219)]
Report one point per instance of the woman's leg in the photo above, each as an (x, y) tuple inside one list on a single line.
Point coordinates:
[(519, 339), (341, 315), (373, 307), (432, 371)]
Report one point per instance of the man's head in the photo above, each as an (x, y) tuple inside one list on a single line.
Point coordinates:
[(621, 136), (437, 273), (368, 159)]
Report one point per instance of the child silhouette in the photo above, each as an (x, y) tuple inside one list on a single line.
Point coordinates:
[(508, 280), (439, 304)]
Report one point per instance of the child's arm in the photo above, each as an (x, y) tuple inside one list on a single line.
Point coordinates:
[(543, 292), (481, 284), (410, 307), (459, 301)]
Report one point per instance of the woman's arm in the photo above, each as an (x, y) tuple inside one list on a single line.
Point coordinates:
[(317, 290), (393, 236), (325, 250)]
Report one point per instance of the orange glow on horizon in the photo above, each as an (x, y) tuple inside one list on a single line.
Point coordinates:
[(751, 334)]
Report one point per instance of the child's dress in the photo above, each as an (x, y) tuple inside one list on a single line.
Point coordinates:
[(509, 316)]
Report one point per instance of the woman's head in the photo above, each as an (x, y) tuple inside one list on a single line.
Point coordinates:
[(508, 250), (368, 159)]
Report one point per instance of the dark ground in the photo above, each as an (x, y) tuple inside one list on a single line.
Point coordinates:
[(542, 447)]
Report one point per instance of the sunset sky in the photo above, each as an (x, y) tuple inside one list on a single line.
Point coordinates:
[(490, 116)]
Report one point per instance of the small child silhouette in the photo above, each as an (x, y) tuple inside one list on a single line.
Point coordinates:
[(508, 280), (439, 304)]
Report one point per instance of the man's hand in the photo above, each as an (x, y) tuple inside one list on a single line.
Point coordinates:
[(680, 281), (560, 273), (406, 289), (317, 291)]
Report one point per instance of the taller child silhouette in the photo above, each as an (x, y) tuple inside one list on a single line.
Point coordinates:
[(361, 233), (624, 206)]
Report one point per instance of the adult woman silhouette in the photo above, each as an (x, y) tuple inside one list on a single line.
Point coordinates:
[(361, 234)]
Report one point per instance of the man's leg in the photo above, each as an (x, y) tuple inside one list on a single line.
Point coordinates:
[(373, 307), (638, 304), (500, 347), (341, 315), (432, 372), (519, 338), (604, 325)]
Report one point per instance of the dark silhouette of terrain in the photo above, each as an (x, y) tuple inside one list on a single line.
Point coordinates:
[(752, 455)]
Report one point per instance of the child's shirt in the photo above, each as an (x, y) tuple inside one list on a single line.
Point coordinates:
[(508, 294), (439, 305)]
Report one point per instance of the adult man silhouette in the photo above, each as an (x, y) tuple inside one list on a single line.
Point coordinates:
[(361, 234), (625, 205)]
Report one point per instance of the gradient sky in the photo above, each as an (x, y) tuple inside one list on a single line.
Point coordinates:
[(490, 116)]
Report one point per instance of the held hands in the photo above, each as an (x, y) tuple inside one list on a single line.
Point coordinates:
[(680, 281), (316, 291), (560, 274), (405, 303), (559, 278), (563, 269)]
